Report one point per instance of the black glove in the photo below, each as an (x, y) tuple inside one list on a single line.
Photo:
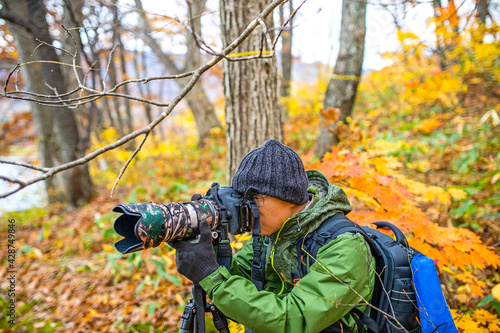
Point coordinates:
[(196, 261)]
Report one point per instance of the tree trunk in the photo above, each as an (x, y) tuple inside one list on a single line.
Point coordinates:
[(112, 70), (436, 4), (250, 87), (140, 73), (88, 113), (43, 117), (117, 41), (286, 50), (77, 183), (482, 10), (103, 109), (341, 91), (201, 107)]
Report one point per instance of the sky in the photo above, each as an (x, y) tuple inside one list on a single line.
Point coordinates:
[(317, 28)]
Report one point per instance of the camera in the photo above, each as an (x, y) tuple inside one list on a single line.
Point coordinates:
[(146, 225)]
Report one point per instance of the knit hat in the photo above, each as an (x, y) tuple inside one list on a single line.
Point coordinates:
[(275, 170)]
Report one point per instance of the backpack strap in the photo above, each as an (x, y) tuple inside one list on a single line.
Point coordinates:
[(309, 245), (330, 229), (362, 319)]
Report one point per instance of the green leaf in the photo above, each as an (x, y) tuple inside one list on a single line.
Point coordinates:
[(489, 216), (163, 273), (464, 208), (151, 308), (485, 301), (139, 288)]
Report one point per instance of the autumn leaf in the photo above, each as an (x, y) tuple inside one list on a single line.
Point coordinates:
[(331, 115), (457, 193), (496, 291), (427, 126)]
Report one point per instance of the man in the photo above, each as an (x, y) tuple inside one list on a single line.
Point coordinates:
[(292, 203)]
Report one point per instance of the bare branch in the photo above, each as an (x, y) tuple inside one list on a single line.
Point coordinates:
[(8, 78), (261, 54), (41, 42), (195, 75), (12, 180), (282, 28), (25, 165), (59, 99)]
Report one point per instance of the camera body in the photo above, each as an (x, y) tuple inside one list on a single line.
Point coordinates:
[(146, 225)]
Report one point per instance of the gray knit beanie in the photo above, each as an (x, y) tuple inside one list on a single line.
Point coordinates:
[(275, 170)]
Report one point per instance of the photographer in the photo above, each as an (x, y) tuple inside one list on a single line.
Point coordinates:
[(292, 203)]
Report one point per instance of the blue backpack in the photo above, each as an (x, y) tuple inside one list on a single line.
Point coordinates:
[(394, 292)]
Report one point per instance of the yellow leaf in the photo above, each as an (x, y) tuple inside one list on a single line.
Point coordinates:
[(108, 248), (426, 126), (457, 194), (386, 146), (235, 327), (237, 245), (420, 165), (179, 298), (91, 314), (496, 291), (448, 270)]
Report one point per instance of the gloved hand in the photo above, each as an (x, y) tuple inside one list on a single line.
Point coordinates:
[(196, 261)]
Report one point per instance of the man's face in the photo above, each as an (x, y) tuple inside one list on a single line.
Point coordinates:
[(273, 213)]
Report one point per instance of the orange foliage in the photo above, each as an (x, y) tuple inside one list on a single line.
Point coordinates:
[(480, 321), (17, 130), (373, 184)]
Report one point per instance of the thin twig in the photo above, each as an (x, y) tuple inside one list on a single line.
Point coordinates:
[(8, 78), (292, 15), (392, 317), (87, 99), (25, 165), (52, 46), (11, 180), (110, 57), (122, 171), (97, 92)]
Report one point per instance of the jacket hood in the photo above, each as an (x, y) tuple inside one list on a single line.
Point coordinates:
[(329, 200)]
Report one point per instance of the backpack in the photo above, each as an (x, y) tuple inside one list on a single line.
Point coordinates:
[(394, 292)]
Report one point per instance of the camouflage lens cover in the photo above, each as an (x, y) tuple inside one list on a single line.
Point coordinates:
[(146, 225), (142, 225)]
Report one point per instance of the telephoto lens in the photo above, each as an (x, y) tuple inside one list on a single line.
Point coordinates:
[(146, 225)]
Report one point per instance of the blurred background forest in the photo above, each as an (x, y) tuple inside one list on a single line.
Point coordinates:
[(131, 87)]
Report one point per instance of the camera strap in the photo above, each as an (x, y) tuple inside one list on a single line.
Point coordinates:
[(224, 251), (257, 274)]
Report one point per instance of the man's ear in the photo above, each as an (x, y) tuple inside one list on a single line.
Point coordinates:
[(294, 209)]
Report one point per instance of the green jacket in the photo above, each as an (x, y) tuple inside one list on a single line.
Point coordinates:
[(342, 276)]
